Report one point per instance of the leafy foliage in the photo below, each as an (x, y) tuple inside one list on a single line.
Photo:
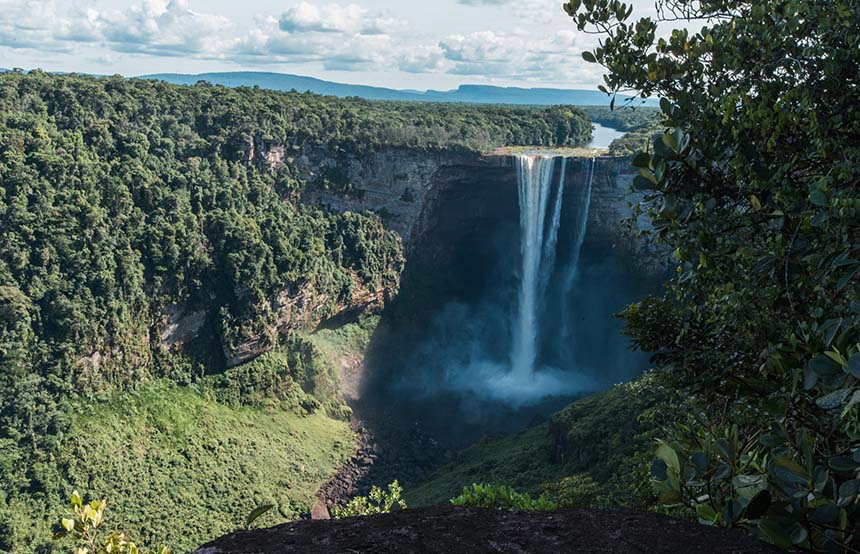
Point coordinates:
[(754, 188), (124, 203), (501, 497), (85, 527), (574, 491), (256, 514), (379, 501)]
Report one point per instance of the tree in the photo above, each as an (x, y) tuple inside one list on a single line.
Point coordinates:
[(754, 187)]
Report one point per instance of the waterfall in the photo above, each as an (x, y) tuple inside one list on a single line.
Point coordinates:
[(581, 227), (538, 250), (550, 246), (572, 269)]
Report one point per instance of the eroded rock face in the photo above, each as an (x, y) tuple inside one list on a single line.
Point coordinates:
[(302, 309), (450, 530), (180, 325), (398, 183), (413, 190)]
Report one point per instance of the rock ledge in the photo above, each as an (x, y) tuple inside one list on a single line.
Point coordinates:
[(450, 530)]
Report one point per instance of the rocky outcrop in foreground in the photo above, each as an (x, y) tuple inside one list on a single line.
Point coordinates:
[(450, 530)]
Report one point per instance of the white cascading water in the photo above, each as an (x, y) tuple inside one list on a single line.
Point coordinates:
[(534, 179), (581, 227), (572, 268), (538, 243), (549, 251)]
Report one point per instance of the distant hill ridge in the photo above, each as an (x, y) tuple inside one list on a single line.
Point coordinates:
[(478, 94)]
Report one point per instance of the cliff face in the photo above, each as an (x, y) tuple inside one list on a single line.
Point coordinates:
[(415, 191)]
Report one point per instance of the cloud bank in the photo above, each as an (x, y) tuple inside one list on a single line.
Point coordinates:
[(342, 37)]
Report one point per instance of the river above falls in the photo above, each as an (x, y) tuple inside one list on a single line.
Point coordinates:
[(603, 136)]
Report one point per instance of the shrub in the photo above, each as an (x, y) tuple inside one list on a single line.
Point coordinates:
[(500, 497), (377, 502), (575, 491), (85, 527)]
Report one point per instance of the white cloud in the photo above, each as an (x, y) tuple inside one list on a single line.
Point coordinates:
[(169, 28), (38, 24), (334, 18), (330, 36), (515, 55), (485, 2), (424, 59), (268, 43), (153, 26)]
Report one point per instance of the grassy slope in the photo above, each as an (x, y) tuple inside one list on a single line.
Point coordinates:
[(344, 348), (604, 441), (522, 460), (349, 339), (183, 469)]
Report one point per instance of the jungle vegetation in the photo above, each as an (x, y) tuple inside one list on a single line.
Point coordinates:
[(123, 201), (754, 187)]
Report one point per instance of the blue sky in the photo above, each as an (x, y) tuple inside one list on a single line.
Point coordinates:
[(415, 44)]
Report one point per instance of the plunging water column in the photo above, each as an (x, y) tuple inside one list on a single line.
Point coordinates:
[(534, 178), (538, 245)]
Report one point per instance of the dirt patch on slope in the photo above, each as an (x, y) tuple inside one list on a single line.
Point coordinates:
[(450, 530)]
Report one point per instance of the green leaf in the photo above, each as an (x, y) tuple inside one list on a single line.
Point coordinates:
[(706, 514), (776, 533), (748, 486), (642, 160), (789, 472), (810, 378), (589, 57), (658, 470), (853, 367), (700, 460), (668, 455), (76, 499), (834, 400), (758, 505), (256, 514), (842, 464), (824, 515), (798, 533), (670, 498), (823, 365), (641, 183), (848, 492), (818, 198), (828, 330), (723, 472), (68, 524), (847, 278), (666, 106)]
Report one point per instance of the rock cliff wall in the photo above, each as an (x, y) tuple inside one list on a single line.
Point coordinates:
[(414, 191)]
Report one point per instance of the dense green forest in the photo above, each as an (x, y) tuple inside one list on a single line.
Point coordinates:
[(126, 205)]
